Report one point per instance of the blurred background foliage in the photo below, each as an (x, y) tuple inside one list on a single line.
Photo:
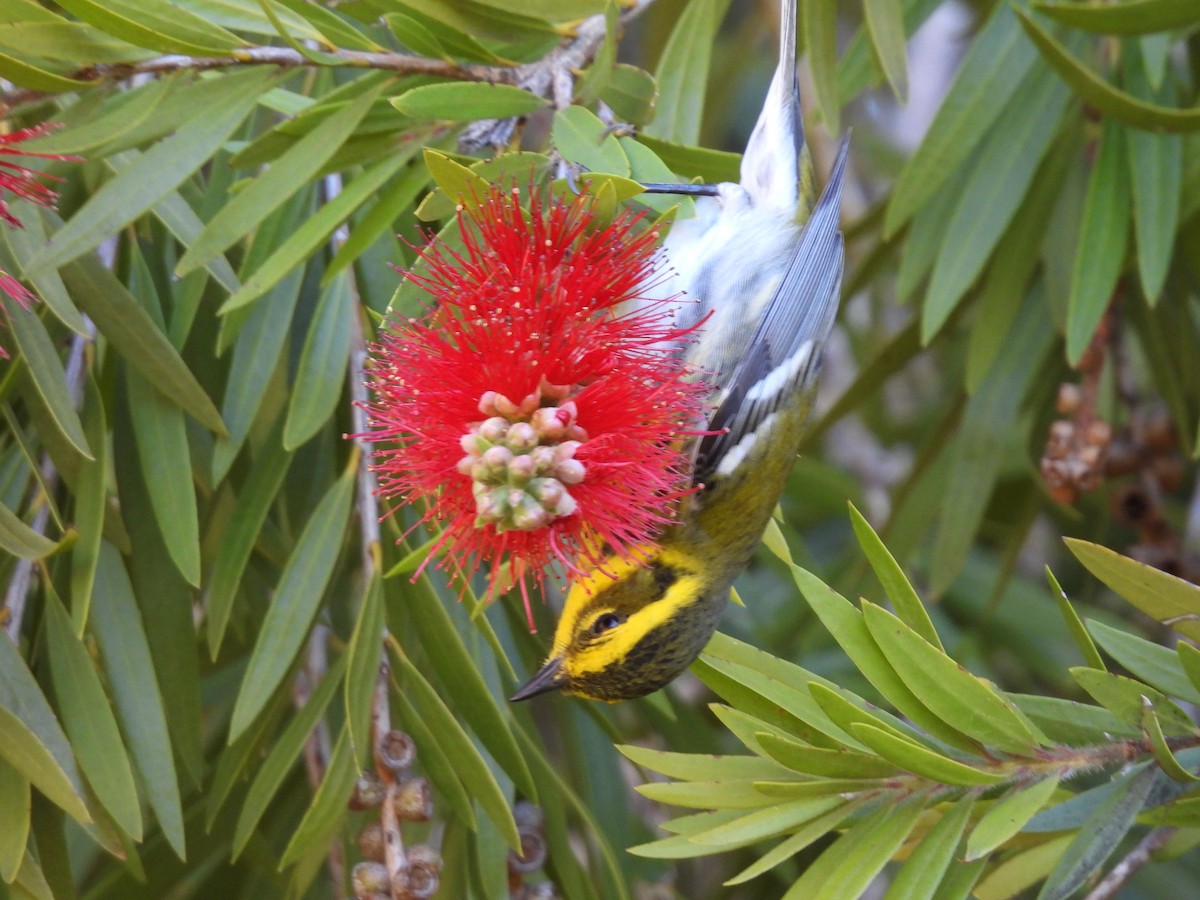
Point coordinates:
[(196, 581)]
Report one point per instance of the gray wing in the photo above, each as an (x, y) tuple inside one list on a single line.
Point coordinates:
[(784, 354)]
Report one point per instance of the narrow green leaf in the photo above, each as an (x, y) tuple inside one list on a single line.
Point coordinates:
[(805, 836), (366, 648), (91, 497), (584, 139), (14, 821), (437, 763), (912, 757), (1115, 104), (823, 763), (1189, 658), (923, 871), (285, 750), (705, 794), (895, 584), (314, 231), (1166, 757), (166, 461), (818, 28), (1155, 174), (1008, 816), (125, 650), (1099, 835), (31, 739), (159, 171), (137, 339), (157, 24), (1126, 17), (463, 101), (25, 243), (995, 65), (460, 676), (1123, 697), (1156, 665), (1071, 722), (325, 814), (46, 370), (287, 174), (682, 72), (238, 539), (702, 766), (632, 93), (297, 596), (848, 867), (1163, 597), (885, 25), (89, 721), (950, 691), (1083, 640), (1103, 236), (323, 363), (766, 823), (466, 759), (36, 78), (20, 540)]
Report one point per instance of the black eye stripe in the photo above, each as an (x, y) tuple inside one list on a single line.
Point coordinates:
[(664, 577)]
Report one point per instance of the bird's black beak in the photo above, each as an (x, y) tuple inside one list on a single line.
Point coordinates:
[(548, 679)]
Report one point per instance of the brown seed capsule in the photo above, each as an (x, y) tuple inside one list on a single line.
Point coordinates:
[(1157, 431), (370, 842), (533, 851), (1169, 470), (369, 791), (368, 878), (1122, 457), (397, 751), (414, 800), (1098, 433), (526, 813), (423, 873), (1132, 505), (1067, 401)]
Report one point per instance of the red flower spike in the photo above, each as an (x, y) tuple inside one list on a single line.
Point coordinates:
[(537, 419)]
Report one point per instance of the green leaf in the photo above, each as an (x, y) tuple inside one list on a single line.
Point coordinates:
[(36, 78), (847, 868), (895, 584), (1123, 698), (1079, 633), (993, 193), (324, 815), (468, 763), (91, 498), (809, 760), (1189, 658), (297, 596), (287, 174), (885, 25), (1156, 665), (323, 363), (157, 24), (705, 794), (1022, 870), (1071, 722), (14, 821), (1155, 174), (682, 72), (1163, 597), (702, 766), (1126, 17), (583, 139), (912, 757), (1115, 104), (1167, 760), (463, 101), (818, 27), (159, 171), (25, 243), (461, 678), (632, 93), (20, 540), (238, 539), (366, 648), (805, 836), (1008, 816), (950, 691), (89, 721), (923, 871), (285, 750), (121, 637), (31, 740), (989, 75), (765, 823), (137, 339), (46, 371), (1102, 240), (1099, 835)]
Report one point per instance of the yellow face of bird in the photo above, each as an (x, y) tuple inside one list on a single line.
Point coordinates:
[(627, 629)]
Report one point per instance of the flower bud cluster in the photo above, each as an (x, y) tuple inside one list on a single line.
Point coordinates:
[(531, 829), (410, 799), (521, 459)]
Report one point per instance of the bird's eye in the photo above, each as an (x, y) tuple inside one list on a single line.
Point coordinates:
[(606, 622)]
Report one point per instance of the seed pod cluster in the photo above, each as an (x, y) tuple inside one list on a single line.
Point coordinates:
[(531, 829), (1076, 448), (410, 799)]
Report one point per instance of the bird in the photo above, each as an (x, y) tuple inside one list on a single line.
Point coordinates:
[(763, 264)]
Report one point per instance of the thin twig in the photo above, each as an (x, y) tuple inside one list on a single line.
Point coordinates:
[(1120, 874)]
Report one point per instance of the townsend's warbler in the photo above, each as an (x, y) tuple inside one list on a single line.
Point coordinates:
[(765, 266)]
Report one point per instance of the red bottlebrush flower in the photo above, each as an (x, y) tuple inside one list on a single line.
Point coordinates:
[(537, 418)]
